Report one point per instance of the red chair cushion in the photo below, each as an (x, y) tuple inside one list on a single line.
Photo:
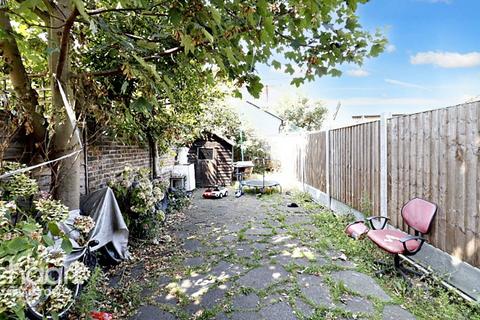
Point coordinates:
[(388, 240), (356, 230), (419, 214)]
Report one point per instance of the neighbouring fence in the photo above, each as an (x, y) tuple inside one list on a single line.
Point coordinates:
[(433, 155), (316, 161), (354, 161)]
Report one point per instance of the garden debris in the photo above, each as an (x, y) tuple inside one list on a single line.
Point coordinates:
[(101, 315), (342, 257)]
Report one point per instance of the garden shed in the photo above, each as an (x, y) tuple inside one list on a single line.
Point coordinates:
[(212, 155)]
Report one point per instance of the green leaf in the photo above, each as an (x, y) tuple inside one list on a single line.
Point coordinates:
[(175, 15), (376, 50), (67, 245), (18, 244), (289, 69), (262, 8), (277, 65), (207, 35), (216, 15), (237, 94), (297, 82), (54, 229), (231, 58), (269, 27), (29, 227), (48, 240), (19, 312), (335, 73), (81, 9), (187, 43)]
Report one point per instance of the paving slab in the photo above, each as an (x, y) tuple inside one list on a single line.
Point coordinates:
[(221, 316), (258, 231), (194, 261), (305, 309), (212, 298), (245, 315), (193, 245), (224, 270), (243, 251), (263, 277), (244, 302), (393, 312), (278, 311), (297, 219), (152, 313), (315, 290), (271, 299), (357, 305), (361, 283), (167, 298)]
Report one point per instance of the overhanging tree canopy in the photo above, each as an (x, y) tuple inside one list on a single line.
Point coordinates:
[(151, 64)]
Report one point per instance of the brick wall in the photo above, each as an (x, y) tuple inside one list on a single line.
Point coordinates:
[(106, 159)]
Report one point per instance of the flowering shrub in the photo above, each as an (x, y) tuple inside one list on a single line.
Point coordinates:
[(17, 186), (31, 257), (83, 224), (78, 273), (51, 210), (139, 199)]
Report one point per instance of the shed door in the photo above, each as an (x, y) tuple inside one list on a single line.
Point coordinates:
[(206, 168)]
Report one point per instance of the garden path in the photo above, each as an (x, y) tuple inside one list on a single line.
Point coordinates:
[(255, 258)]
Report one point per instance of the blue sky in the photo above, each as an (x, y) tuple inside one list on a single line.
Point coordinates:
[(432, 61)]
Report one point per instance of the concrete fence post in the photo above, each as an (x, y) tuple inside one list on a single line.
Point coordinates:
[(383, 165), (327, 166)]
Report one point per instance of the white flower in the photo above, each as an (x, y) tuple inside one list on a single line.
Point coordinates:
[(31, 292), (84, 224), (59, 298), (10, 297), (78, 273), (51, 210), (56, 257)]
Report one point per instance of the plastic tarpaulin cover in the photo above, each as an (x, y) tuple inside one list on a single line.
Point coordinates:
[(103, 208)]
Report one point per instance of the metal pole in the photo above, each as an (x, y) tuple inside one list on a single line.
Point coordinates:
[(241, 144)]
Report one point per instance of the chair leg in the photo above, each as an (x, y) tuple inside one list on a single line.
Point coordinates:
[(385, 267), (404, 270)]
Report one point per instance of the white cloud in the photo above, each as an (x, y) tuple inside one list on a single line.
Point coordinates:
[(404, 84), (357, 72), (447, 59), (390, 48)]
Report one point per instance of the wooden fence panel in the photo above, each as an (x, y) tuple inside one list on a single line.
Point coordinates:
[(315, 161), (355, 166), (434, 155)]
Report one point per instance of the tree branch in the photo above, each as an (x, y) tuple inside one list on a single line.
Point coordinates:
[(143, 11), (22, 86), (33, 24), (65, 41)]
